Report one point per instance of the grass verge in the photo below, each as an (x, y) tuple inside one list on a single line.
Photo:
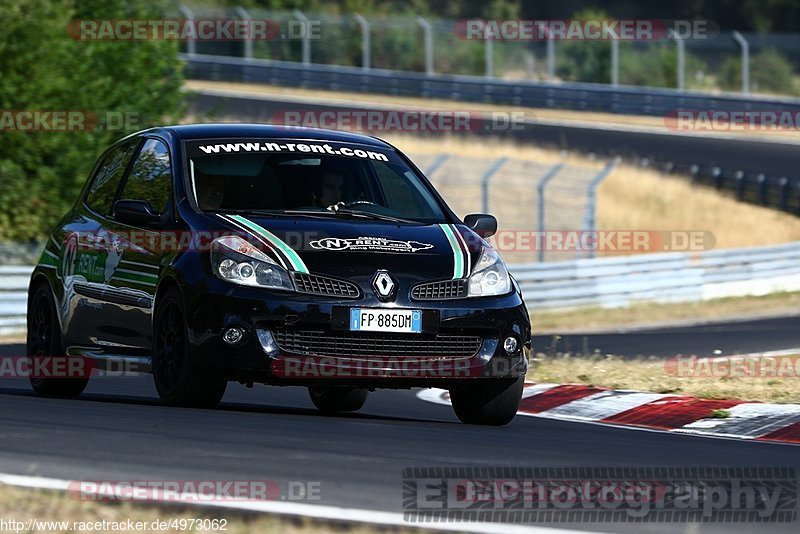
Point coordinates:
[(729, 381), (22, 504), (586, 319)]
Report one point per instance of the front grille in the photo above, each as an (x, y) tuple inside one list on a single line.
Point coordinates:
[(322, 285), (446, 289), (363, 344)]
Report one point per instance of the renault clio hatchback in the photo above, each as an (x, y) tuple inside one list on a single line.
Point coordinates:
[(284, 256)]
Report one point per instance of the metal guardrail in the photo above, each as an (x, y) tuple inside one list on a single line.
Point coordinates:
[(663, 277), (13, 297), (575, 96), (602, 282)]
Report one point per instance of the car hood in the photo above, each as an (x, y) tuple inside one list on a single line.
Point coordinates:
[(354, 248)]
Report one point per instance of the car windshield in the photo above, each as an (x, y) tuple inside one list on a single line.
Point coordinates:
[(320, 178)]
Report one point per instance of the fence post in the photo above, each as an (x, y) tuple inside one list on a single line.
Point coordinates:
[(551, 57), (487, 176), (590, 221), (681, 68), (784, 194), (191, 44), (428, 35), (762, 189), (365, 40), (549, 175), (745, 46), (614, 60), (740, 185), (248, 42), (489, 55), (438, 162), (299, 15)]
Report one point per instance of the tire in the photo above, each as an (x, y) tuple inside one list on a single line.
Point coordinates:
[(338, 399), (44, 339), (178, 380), (488, 401)]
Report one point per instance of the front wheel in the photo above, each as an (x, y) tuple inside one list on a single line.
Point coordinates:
[(44, 341), (178, 380), (338, 399), (488, 401)]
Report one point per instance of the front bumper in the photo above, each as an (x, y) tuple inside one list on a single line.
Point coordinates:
[(259, 357)]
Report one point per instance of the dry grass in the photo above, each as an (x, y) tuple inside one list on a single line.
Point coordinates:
[(656, 376), (483, 148), (544, 114), (634, 198), (586, 319), (21, 504)]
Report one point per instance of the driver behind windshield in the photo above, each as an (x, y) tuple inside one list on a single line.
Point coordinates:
[(210, 191), (328, 187)]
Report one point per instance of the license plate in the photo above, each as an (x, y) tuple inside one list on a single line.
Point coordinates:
[(379, 320)]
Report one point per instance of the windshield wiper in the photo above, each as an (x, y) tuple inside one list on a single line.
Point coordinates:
[(376, 216), (341, 212), (274, 213)]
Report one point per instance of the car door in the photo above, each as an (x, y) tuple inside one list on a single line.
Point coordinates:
[(84, 253), (134, 252)]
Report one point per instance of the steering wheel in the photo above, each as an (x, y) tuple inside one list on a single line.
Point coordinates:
[(359, 202), (335, 207)]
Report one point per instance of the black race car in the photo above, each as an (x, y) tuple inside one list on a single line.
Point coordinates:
[(287, 256)]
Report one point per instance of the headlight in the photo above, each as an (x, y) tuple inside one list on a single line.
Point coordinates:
[(490, 276), (235, 260)]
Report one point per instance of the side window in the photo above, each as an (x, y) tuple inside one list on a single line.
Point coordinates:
[(150, 178), (106, 180)]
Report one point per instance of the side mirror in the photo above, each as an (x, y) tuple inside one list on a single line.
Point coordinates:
[(482, 224), (136, 213)]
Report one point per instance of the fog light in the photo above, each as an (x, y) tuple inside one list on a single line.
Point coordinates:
[(268, 344), (511, 345), (233, 335)]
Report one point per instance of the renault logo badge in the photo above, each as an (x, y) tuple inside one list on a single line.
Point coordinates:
[(383, 285)]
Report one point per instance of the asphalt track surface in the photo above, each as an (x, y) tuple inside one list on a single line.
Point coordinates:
[(729, 338), (119, 431)]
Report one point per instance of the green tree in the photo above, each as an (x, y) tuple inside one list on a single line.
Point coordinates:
[(585, 61), (770, 72), (45, 69)]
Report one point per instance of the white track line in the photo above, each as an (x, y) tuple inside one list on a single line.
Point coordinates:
[(325, 513)]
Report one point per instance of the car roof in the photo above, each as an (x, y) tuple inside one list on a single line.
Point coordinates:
[(228, 130)]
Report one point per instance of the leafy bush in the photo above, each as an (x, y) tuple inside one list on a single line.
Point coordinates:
[(43, 68), (770, 72)]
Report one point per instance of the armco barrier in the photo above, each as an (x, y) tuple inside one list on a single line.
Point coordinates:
[(575, 96), (663, 277), (13, 298), (604, 282)]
